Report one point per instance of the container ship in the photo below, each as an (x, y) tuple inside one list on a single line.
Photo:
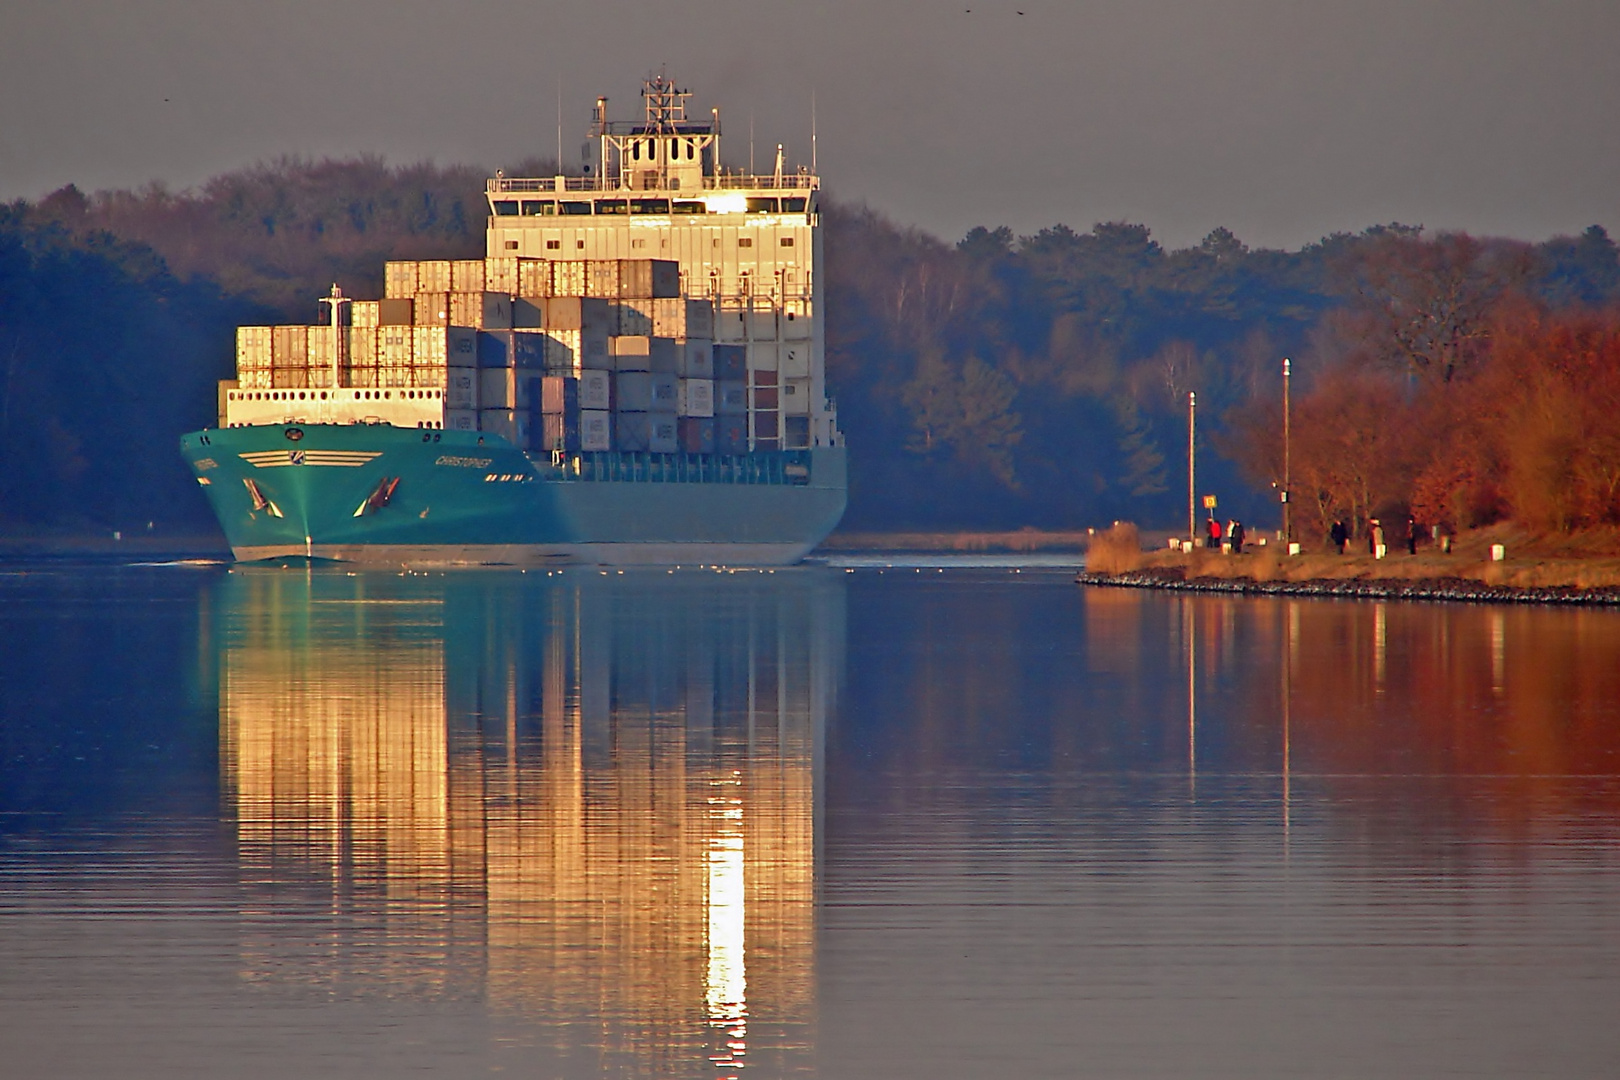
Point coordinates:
[(632, 375)]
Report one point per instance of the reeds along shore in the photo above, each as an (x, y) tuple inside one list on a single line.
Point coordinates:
[(1588, 561)]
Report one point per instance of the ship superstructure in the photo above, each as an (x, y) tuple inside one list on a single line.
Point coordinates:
[(636, 362)]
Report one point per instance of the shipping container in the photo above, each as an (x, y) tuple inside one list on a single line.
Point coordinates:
[(510, 424), (360, 376), (602, 278), (396, 312), (795, 395), (399, 280), (559, 431), (568, 278), (528, 349), (595, 430), (696, 358), (632, 392), (696, 434), (506, 388), (644, 279), (644, 354), (765, 395), (432, 309), (578, 313), (501, 275), (482, 310), (393, 375), (632, 318), (696, 398), (321, 344), (559, 394), (429, 376), (731, 434), (444, 345), (795, 433), (534, 278), (730, 397), (467, 276), (461, 419), (433, 276), (461, 388), (289, 377), (666, 392), (765, 428), (396, 346), (528, 313), (683, 317), (289, 346), (630, 431), (255, 347), (663, 433), (362, 346), (255, 379), (364, 313), (730, 361), (595, 389)]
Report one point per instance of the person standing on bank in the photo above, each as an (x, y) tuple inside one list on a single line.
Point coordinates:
[(1237, 537), (1341, 537), (1213, 539), (1411, 536)]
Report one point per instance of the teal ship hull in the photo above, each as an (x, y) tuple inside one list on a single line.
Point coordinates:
[(371, 493)]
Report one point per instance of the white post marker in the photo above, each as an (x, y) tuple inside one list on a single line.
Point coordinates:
[(1498, 552)]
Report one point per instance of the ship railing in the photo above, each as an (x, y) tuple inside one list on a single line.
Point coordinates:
[(727, 182)]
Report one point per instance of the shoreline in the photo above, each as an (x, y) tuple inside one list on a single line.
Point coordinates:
[(1361, 587)]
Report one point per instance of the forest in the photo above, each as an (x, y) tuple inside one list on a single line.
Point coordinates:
[(1000, 381)]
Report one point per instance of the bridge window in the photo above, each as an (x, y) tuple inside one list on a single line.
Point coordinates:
[(506, 207), (793, 206), (757, 205), (682, 207), (649, 206), (573, 207), (539, 207), (612, 206)]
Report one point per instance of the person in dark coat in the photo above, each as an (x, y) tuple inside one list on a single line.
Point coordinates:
[(1238, 535), (1341, 537), (1411, 536)]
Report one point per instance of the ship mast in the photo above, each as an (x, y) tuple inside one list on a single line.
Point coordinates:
[(339, 341)]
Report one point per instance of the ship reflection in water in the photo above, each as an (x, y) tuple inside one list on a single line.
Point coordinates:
[(589, 800)]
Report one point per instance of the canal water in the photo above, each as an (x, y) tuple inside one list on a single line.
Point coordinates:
[(840, 821)]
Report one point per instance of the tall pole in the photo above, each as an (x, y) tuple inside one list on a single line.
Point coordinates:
[(1192, 476), (1287, 500)]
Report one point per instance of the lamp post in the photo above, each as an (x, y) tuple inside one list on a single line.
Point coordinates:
[(1287, 505), (1192, 485)]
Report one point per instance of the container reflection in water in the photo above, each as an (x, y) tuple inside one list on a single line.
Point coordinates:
[(592, 799)]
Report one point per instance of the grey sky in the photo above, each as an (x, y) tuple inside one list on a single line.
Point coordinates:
[(1282, 121)]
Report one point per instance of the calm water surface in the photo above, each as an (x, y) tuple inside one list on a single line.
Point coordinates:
[(834, 821)]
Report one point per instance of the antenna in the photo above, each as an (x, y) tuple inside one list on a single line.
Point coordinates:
[(812, 130), (559, 124), (750, 142)]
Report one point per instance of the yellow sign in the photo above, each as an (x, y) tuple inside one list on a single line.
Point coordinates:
[(1209, 502)]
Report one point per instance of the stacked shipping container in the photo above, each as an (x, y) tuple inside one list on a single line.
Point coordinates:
[(563, 355)]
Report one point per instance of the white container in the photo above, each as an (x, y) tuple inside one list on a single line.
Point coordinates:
[(595, 427), (696, 398), (399, 280), (794, 360), (595, 389), (1498, 552), (1293, 549)]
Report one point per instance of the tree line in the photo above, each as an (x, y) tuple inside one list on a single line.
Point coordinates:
[(998, 381)]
